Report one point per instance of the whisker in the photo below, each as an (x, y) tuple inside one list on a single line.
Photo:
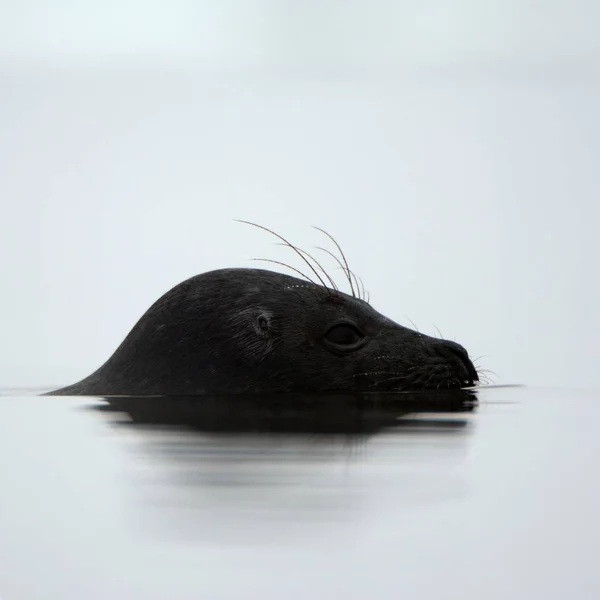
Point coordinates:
[(358, 290), (319, 265), (362, 285), (487, 371), (277, 262), (344, 268), (413, 324), (341, 252), (289, 244), (486, 379)]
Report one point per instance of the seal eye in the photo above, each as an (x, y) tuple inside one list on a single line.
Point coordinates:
[(344, 334)]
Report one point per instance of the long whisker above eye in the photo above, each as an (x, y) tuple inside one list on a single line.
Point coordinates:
[(342, 254), (319, 266), (339, 262), (289, 244), (349, 274), (362, 285), (413, 324), (277, 262)]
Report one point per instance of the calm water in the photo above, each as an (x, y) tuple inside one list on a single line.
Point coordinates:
[(499, 502)]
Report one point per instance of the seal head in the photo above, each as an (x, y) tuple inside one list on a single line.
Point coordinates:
[(240, 331)]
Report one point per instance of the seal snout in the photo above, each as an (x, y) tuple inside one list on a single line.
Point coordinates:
[(459, 360)]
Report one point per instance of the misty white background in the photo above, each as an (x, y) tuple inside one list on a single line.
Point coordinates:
[(451, 148)]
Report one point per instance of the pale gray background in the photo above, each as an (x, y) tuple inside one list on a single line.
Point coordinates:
[(452, 148)]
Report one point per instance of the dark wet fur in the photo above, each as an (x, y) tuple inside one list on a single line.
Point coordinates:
[(238, 331)]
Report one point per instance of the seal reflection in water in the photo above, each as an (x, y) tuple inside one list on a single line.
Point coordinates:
[(348, 413), (255, 331)]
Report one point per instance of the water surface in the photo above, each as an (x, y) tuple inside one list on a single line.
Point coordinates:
[(496, 502)]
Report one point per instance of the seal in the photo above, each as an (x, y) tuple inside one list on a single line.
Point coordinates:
[(256, 331)]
